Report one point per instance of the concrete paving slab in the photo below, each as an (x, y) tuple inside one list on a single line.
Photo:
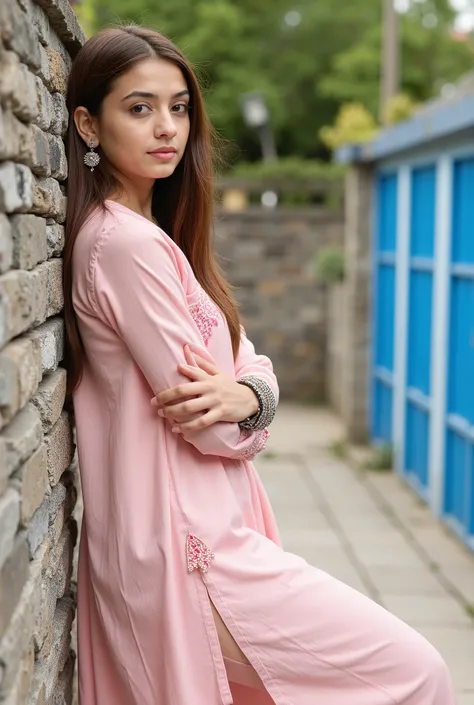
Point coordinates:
[(418, 610), (370, 531)]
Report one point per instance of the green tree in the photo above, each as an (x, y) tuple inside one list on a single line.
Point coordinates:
[(307, 69)]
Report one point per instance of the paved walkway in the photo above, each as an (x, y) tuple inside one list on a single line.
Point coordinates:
[(368, 530)]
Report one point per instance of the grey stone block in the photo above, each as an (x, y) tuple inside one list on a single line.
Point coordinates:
[(63, 502), (46, 108), (48, 199), (33, 484), (38, 526), (40, 286), (34, 151), (6, 244), (16, 187), (9, 521), (64, 20), (20, 375), (4, 472), (61, 116), (44, 71), (51, 337), (63, 691), (18, 87), (18, 695), (37, 19), (17, 303), (55, 287), (18, 34), (13, 135), (47, 669), (47, 287), (22, 437), (29, 241), (16, 641), (57, 157), (55, 237), (13, 577), (50, 397), (60, 448)]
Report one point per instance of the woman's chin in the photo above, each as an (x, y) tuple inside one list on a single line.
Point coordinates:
[(163, 170)]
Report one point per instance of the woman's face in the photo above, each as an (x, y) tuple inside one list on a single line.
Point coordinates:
[(143, 127)]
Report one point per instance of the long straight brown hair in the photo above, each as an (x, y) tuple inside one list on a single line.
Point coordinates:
[(182, 204)]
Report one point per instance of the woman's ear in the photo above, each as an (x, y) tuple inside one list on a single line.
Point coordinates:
[(85, 125)]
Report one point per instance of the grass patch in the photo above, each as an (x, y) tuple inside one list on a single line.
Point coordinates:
[(340, 449), (470, 609), (269, 455), (381, 459)]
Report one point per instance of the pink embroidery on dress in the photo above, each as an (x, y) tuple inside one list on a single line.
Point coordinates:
[(259, 443), (205, 314), (198, 555)]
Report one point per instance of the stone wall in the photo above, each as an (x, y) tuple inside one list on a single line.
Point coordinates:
[(337, 351), (348, 340), (269, 257), (37, 476)]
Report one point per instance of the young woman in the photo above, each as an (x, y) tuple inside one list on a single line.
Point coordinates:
[(185, 595)]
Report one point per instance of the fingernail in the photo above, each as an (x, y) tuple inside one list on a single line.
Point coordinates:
[(175, 429), (161, 412)]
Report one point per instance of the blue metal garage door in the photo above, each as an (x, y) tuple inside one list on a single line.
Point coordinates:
[(420, 303), (459, 460), (384, 308)]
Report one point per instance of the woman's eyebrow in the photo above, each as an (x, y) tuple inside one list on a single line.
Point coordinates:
[(144, 94)]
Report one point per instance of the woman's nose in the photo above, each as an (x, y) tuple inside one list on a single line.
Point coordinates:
[(165, 124)]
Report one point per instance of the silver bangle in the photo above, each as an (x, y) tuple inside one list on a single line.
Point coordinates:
[(266, 401)]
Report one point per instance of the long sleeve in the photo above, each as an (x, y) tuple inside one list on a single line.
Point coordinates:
[(135, 287)]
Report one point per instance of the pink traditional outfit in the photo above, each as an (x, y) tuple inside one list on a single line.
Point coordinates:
[(172, 522)]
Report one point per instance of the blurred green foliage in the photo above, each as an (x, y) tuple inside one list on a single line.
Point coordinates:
[(291, 168), (306, 70), (329, 264)]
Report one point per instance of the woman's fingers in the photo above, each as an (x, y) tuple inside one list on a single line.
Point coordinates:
[(203, 421), (206, 365), (195, 359), (181, 411), (188, 389), (194, 373)]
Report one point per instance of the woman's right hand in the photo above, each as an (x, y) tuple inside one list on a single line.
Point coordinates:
[(218, 397)]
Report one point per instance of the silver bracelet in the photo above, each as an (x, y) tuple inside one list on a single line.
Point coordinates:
[(266, 401)]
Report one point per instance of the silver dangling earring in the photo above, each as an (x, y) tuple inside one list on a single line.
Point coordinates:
[(91, 158)]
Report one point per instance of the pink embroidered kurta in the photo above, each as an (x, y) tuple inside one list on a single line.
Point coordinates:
[(171, 520)]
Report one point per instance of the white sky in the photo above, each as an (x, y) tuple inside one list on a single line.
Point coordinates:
[(465, 8)]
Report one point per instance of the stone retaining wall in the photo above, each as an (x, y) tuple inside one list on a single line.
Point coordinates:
[(269, 256), (37, 475)]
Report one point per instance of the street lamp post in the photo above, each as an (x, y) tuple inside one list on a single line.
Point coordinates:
[(390, 55), (256, 115)]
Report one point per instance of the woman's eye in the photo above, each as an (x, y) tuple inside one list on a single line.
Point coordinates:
[(181, 108), (139, 109)]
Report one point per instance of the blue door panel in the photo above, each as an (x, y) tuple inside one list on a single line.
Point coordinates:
[(384, 307), (417, 439), (459, 456), (382, 413), (419, 330)]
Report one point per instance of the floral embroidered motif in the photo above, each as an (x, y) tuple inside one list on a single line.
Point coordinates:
[(198, 555), (259, 443), (205, 314)]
